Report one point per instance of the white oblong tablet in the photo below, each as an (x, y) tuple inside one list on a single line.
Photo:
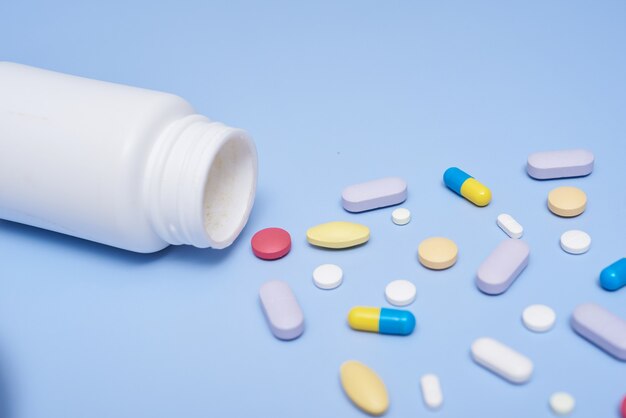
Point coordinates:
[(431, 391), (575, 241), (538, 318), (282, 311), (374, 194), (562, 403), (560, 164), (400, 292), (401, 216), (510, 226), (502, 360), (502, 266), (327, 276)]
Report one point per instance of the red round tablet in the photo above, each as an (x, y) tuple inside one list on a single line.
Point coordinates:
[(624, 407), (271, 243)]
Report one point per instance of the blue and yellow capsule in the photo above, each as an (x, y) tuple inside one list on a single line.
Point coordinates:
[(381, 320), (467, 186)]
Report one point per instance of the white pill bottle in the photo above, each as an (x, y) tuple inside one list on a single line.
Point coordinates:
[(127, 167)]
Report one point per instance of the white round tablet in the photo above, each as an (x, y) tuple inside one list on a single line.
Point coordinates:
[(562, 403), (538, 318), (401, 216), (327, 276), (400, 292), (575, 241)]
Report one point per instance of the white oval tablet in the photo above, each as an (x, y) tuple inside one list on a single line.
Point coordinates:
[(374, 194), (560, 164), (575, 241), (502, 360), (510, 226), (538, 318), (400, 292), (327, 276), (401, 216), (562, 403), (431, 391)]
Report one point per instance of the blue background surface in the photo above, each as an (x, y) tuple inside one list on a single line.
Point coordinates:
[(334, 93)]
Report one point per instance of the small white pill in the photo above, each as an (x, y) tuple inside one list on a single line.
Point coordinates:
[(327, 276), (401, 216), (431, 391), (502, 360), (575, 242), (562, 403), (400, 292), (538, 318), (510, 226)]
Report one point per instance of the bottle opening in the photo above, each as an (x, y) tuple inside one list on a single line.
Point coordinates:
[(229, 189)]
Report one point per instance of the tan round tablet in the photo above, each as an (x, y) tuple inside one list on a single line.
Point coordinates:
[(567, 201), (437, 253)]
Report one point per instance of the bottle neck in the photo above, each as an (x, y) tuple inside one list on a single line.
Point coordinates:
[(201, 182)]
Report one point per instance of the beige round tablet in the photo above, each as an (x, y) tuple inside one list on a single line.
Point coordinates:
[(437, 253), (567, 201)]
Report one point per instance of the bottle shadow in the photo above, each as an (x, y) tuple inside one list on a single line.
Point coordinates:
[(81, 247)]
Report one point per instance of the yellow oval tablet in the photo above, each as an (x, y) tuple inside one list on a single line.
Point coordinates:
[(338, 235), (364, 387), (437, 253), (567, 201)]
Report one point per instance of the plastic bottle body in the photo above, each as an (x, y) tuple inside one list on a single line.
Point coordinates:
[(113, 164)]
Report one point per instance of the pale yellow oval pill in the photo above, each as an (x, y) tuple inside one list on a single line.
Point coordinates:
[(437, 253), (364, 387), (338, 235), (567, 201)]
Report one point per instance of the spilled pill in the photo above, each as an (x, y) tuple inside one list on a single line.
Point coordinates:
[(562, 403), (437, 253), (327, 276), (510, 226), (575, 241), (613, 277), (381, 320), (560, 164), (624, 407), (502, 266), (431, 391), (271, 243), (282, 310), (400, 292), (567, 201), (467, 186), (538, 318), (401, 216), (374, 194), (364, 387), (601, 327), (502, 360), (338, 235)]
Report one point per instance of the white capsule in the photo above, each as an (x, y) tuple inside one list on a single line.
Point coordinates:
[(502, 360), (510, 226), (431, 391)]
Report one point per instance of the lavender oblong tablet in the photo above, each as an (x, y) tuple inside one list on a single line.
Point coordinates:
[(559, 164), (601, 327), (502, 266), (282, 310), (374, 194)]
